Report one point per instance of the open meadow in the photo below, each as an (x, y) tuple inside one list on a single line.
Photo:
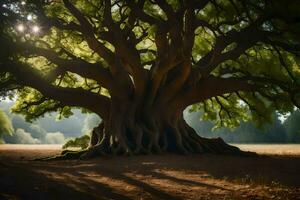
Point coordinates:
[(273, 175)]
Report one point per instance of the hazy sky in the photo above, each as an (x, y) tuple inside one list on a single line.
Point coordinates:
[(47, 129)]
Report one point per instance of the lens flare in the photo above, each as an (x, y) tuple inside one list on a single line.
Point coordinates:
[(35, 29), (21, 28), (29, 17)]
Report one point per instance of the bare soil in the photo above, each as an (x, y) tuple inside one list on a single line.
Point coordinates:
[(146, 177)]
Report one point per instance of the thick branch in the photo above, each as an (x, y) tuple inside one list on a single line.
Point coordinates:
[(137, 8), (115, 64), (243, 39), (211, 87), (125, 49), (92, 41), (30, 77), (76, 65), (178, 79)]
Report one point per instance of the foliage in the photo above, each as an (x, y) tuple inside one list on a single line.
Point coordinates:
[(247, 132), (82, 142), (292, 126), (5, 124), (254, 42)]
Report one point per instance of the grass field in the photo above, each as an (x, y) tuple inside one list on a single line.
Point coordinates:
[(273, 149)]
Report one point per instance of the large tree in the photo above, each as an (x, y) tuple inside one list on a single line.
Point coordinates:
[(139, 63)]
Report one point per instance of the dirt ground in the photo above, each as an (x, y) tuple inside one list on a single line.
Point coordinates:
[(147, 177)]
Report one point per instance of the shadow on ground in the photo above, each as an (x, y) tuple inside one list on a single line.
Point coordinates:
[(153, 177)]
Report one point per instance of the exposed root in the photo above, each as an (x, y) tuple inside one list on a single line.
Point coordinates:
[(218, 146), (212, 145), (177, 137), (66, 155), (91, 152)]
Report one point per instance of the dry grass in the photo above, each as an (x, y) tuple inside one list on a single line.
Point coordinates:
[(272, 149)]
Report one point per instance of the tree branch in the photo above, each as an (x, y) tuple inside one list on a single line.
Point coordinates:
[(92, 41), (243, 39), (30, 77), (211, 87), (76, 65)]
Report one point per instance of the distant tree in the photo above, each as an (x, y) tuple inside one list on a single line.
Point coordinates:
[(139, 63), (292, 125), (5, 125), (80, 142), (247, 132)]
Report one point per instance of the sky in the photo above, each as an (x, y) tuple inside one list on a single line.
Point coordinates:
[(47, 129)]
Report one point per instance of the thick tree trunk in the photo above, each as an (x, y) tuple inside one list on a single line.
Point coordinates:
[(135, 129)]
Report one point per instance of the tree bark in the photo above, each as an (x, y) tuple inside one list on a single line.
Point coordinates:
[(132, 129)]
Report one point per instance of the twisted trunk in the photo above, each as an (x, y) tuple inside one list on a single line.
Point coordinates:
[(135, 128)]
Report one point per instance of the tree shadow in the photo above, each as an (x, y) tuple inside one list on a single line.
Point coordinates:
[(260, 169), (19, 182), (184, 181), (152, 191), (81, 179)]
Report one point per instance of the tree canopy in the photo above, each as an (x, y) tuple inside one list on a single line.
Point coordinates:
[(147, 60)]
